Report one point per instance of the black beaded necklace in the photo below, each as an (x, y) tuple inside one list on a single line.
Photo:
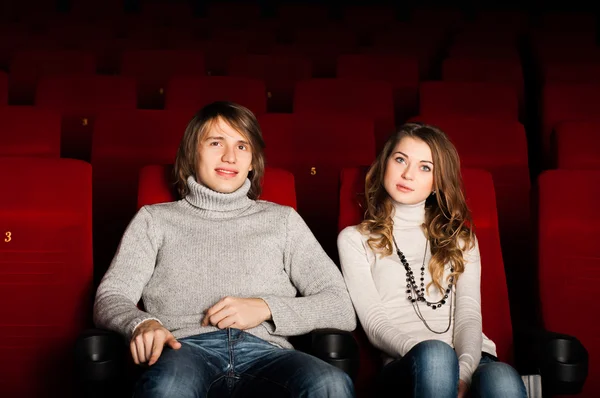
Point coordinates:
[(416, 294)]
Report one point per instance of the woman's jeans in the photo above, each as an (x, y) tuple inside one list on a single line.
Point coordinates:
[(430, 369), (233, 363)]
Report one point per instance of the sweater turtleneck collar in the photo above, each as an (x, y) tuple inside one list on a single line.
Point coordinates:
[(408, 216), (217, 204)]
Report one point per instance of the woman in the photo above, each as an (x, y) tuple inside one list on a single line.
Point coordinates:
[(412, 268)]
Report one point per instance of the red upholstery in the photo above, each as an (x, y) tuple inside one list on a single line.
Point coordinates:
[(566, 71), (125, 141), (235, 13), (402, 72), (498, 100), (370, 99), (45, 272), (3, 88), (79, 99), (279, 72), (27, 67), (483, 69), (192, 93), (577, 145), (153, 68), (480, 195), (315, 147), (363, 18), (567, 102), (156, 186), (28, 131), (568, 260)]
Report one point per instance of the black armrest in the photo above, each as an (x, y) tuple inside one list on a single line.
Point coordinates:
[(101, 362), (338, 348), (560, 359)]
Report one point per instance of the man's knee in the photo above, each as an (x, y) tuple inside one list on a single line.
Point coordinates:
[(174, 375)]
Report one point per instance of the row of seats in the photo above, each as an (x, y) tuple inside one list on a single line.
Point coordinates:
[(46, 248)]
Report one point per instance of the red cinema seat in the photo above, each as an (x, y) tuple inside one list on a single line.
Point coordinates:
[(79, 99), (45, 272), (568, 262), (279, 72), (27, 67), (401, 71), (28, 131), (485, 99), (370, 99), (153, 69), (577, 145), (567, 102), (192, 93)]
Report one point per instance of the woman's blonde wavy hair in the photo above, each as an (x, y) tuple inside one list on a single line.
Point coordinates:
[(448, 224)]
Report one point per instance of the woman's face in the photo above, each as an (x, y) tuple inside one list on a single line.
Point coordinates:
[(408, 175)]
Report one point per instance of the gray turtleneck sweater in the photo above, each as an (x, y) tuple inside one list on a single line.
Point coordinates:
[(377, 286), (182, 257)]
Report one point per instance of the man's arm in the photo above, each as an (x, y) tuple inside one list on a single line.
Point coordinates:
[(325, 302), (121, 287)]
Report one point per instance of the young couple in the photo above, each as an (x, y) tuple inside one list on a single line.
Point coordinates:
[(226, 278)]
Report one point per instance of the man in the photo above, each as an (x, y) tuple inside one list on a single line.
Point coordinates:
[(219, 274)]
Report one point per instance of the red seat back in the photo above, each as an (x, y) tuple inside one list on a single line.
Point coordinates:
[(29, 131), (27, 67), (569, 265), (79, 99), (577, 145), (45, 272), (363, 98), (497, 100), (192, 93)]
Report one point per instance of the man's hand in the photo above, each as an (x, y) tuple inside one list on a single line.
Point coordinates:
[(237, 313), (462, 389), (148, 341)]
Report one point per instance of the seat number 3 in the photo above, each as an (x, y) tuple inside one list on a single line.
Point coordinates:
[(8, 237)]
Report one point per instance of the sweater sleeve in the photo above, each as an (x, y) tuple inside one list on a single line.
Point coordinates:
[(324, 301), (468, 335), (365, 297), (121, 288)]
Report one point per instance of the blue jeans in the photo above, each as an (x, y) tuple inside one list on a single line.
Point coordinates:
[(430, 369), (233, 363)]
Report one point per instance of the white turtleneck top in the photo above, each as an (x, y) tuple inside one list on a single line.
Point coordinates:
[(377, 287)]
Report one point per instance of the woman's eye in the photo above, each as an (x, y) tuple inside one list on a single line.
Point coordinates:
[(400, 159), (425, 168)]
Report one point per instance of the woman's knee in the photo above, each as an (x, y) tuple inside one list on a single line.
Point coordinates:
[(497, 380), (434, 367), (434, 352)]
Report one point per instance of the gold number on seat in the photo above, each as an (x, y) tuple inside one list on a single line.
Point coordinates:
[(84, 121), (161, 91), (8, 237), (269, 95), (313, 171)]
